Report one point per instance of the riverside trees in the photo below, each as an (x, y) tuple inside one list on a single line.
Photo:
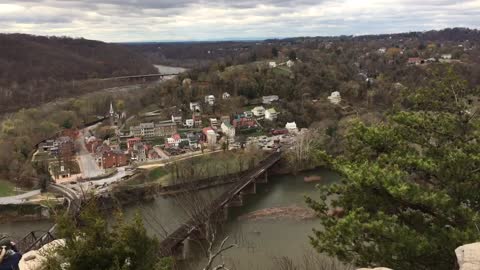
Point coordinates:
[(410, 189)]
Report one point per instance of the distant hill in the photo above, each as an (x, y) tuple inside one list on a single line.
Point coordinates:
[(33, 67)]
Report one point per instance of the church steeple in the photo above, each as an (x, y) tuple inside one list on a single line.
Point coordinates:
[(112, 112)]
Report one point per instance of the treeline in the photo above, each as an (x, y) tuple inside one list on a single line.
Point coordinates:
[(37, 69)]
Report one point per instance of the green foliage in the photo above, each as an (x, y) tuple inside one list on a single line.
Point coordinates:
[(410, 189), (96, 246)]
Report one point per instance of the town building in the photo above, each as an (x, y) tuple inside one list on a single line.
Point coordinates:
[(259, 111), (225, 118), (270, 99), (272, 64), (290, 63), (228, 129), (152, 130), (244, 123), (291, 127), (335, 98), (415, 61), (177, 118), (197, 120), (446, 56), (195, 106), (214, 122), (271, 114), (209, 136), (248, 114), (132, 141), (225, 95), (210, 100), (189, 123), (111, 159)]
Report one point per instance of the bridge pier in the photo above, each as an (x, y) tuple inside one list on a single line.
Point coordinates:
[(250, 188), (236, 201), (264, 179)]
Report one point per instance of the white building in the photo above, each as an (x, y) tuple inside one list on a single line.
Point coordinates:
[(269, 99), (213, 122), (382, 50), (335, 98), (292, 127), (177, 118), (259, 111), (210, 100), (290, 63), (271, 114), (228, 130), (189, 123), (272, 64), (225, 95), (195, 106), (447, 56)]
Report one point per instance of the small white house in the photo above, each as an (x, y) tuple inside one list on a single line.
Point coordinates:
[(291, 127), (228, 130), (272, 64), (447, 56), (259, 111), (225, 95), (335, 98), (271, 114), (382, 50), (290, 63), (210, 100), (189, 123), (195, 106)]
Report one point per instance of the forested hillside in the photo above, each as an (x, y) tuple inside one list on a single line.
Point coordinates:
[(37, 69)]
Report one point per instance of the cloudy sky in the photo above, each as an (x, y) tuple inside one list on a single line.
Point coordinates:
[(162, 20)]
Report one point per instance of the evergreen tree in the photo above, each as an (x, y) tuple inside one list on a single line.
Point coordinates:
[(409, 194)]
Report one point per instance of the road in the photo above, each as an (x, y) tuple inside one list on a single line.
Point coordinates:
[(18, 199), (86, 161)]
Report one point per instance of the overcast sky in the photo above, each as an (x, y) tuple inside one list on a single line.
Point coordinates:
[(161, 20)]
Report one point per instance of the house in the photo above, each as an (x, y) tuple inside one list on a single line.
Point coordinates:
[(132, 141), (269, 99), (210, 100), (111, 159), (431, 60), (446, 56), (225, 95), (197, 120), (382, 50), (209, 136), (228, 130), (259, 111), (139, 152), (153, 155), (213, 122), (189, 123), (272, 64), (244, 123), (177, 118), (271, 114), (290, 63), (335, 98), (415, 61), (195, 106), (173, 141), (224, 118), (291, 127), (91, 143)]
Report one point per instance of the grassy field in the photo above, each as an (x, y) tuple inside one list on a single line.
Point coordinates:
[(6, 188)]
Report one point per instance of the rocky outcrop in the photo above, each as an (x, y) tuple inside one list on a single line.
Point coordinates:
[(36, 259), (468, 256)]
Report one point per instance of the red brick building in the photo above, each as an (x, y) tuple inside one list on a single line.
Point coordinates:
[(113, 159), (244, 123)]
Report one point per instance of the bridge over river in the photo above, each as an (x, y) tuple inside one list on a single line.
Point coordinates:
[(242, 182)]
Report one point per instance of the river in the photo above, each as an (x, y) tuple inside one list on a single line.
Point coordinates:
[(261, 242)]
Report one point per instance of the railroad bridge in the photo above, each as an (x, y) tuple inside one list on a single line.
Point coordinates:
[(244, 182), (173, 243)]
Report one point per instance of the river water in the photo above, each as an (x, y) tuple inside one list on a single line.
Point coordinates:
[(260, 243)]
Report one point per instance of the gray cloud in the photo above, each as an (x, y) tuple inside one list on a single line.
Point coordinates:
[(136, 20)]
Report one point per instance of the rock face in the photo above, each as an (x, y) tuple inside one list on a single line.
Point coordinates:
[(468, 256)]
